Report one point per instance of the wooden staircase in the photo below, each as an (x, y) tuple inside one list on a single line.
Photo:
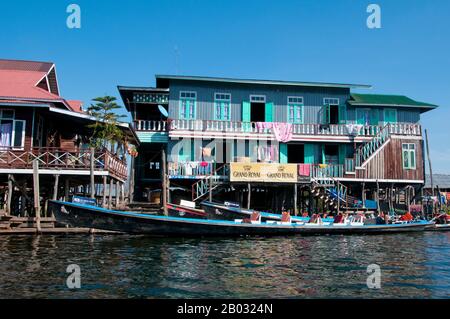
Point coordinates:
[(367, 150), (332, 192)]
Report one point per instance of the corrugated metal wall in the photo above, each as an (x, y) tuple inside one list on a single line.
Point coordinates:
[(278, 95)]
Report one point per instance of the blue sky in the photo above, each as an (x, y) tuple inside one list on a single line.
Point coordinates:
[(127, 42)]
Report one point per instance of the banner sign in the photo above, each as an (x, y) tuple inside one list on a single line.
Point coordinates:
[(263, 172)]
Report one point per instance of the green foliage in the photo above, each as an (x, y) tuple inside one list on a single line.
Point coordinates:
[(105, 131)]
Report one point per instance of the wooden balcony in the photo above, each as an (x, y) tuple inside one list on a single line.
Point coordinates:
[(230, 129), (63, 160)]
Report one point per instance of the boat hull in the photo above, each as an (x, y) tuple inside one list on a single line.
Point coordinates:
[(78, 215)]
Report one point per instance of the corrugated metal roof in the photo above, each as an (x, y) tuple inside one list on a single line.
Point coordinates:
[(441, 180), (21, 65), (387, 100), (258, 82)]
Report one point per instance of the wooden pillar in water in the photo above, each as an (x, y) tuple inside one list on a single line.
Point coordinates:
[(67, 189), (104, 192), (363, 195), (295, 199), (378, 197), (249, 195), (122, 193), (110, 189), (338, 197), (164, 181), (37, 204), (92, 186), (131, 184), (55, 187), (10, 193), (117, 195)]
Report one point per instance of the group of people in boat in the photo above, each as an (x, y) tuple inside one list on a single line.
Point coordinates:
[(342, 217)]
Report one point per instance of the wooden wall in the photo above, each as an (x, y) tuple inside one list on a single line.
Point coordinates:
[(388, 163)]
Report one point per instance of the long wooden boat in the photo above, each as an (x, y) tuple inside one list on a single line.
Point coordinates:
[(221, 211), (183, 211), (438, 227), (81, 215)]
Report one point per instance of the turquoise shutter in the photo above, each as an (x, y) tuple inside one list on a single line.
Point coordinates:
[(326, 114), (269, 112), (374, 117), (390, 115), (360, 116), (309, 154), (323, 154), (283, 153), (245, 111), (343, 114)]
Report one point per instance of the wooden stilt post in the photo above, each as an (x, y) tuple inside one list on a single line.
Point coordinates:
[(338, 197), (249, 195), (122, 193), (67, 189), (104, 192), (55, 187), (92, 186), (131, 184), (10, 194), (363, 194), (295, 199), (164, 181), (37, 204), (378, 197), (117, 195), (111, 185)]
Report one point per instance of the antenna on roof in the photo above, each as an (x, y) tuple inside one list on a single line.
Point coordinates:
[(177, 60)]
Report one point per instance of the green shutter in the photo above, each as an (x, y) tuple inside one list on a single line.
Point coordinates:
[(283, 153), (245, 111), (269, 112), (361, 116), (390, 115), (326, 114), (343, 114), (323, 154), (309, 153), (374, 116)]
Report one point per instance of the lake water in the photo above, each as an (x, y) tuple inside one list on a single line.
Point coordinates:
[(415, 265)]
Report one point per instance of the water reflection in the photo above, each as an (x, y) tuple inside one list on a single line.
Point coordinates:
[(412, 265)]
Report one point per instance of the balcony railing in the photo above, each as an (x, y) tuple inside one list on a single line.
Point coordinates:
[(257, 128), (63, 159)]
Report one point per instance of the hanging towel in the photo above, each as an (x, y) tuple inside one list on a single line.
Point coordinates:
[(283, 132), (304, 169)]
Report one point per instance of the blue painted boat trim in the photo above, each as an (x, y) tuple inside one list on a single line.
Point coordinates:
[(213, 222)]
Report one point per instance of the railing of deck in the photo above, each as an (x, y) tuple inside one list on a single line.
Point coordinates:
[(349, 165), (191, 168), (327, 170), (259, 127), (57, 158)]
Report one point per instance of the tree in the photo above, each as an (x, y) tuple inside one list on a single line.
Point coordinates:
[(105, 130)]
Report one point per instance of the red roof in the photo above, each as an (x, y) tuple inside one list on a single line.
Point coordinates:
[(31, 81)]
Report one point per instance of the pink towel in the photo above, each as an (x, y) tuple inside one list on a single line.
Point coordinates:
[(304, 169), (283, 132)]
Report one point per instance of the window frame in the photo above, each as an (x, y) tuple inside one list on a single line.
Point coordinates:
[(409, 151), (295, 105), (331, 98), (193, 99), (263, 100), (221, 100)]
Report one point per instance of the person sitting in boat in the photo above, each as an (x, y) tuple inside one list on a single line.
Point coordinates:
[(339, 218), (407, 217), (380, 219), (315, 219)]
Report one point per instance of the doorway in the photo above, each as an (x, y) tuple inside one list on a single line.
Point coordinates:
[(296, 153), (331, 154), (334, 114), (257, 112)]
